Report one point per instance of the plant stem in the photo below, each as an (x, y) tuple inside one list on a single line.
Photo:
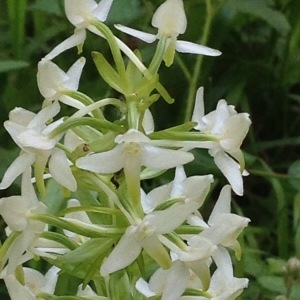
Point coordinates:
[(198, 65)]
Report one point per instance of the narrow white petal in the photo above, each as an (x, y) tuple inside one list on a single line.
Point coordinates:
[(18, 166), (159, 158), (102, 10), (71, 102), (231, 170), (44, 115), (105, 162), (125, 252), (198, 112), (222, 206), (148, 122), (60, 170), (144, 36), (189, 47), (74, 40), (50, 280), (74, 74)]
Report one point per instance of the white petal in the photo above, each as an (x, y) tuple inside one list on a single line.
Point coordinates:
[(177, 281), (189, 47), (143, 287), (50, 78), (60, 170), (144, 36), (105, 162), (18, 166), (71, 102), (157, 196), (175, 215), (79, 11), (50, 280), (44, 115), (178, 179), (21, 116), (159, 158), (74, 40), (148, 122), (222, 206), (102, 10), (14, 130), (132, 136), (198, 112), (231, 170), (74, 74), (170, 17), (125, 252), (32, 140), (16, 290)]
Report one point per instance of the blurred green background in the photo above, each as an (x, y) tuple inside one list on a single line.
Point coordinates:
[(258, 72)]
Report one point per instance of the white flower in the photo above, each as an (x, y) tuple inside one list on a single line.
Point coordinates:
[(16, 210), (35, 283), (53, 82), (81, 13), (148, 233), (30, 133), (169, 284), (170, 19), (134, 150), (230, 128), (194, 188), (223, 227), (223, 285)]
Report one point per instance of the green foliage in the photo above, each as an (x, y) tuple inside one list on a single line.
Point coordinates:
[(259, 72)]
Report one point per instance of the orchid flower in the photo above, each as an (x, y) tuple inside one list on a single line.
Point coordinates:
[(170, 19), (81, 13), (16, 210), (223, 285), (148, 233), (53, 82), (223, 227), (31, 134), (133, 150), (230, 128), (35, 283), (194, 188)]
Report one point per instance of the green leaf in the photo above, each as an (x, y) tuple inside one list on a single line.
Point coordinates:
[(12, 65), (260, 9), (107, 72)]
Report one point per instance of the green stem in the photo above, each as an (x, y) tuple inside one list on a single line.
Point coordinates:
[(198, 65), (94, 123)]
